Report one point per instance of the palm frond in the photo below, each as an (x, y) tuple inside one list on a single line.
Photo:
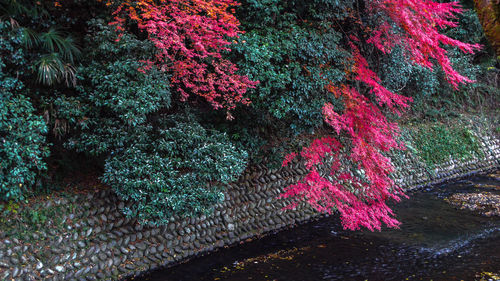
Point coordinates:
[(70, 50), (69, 75), (30, 38), (55, 41), (49, 69)]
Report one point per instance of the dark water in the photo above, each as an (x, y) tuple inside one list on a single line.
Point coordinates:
[(435, 242)]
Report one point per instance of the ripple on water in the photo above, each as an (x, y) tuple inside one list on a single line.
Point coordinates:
[(461, 245)]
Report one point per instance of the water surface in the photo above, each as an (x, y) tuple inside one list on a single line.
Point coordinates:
[(435, 242)]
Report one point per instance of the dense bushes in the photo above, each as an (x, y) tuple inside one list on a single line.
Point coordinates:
[(290, 65), (290, 48), (164, 162), (114, 98), (140, 100), (179, 171), (22, 132), (22, 145)]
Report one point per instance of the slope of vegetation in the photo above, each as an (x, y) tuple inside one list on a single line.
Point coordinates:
[(168, 101)]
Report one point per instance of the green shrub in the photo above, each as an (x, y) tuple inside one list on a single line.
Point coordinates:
[(22, 146), (180, 171), (257, 14), (293, 59), (115, 98), (22, 133), (165, 163)]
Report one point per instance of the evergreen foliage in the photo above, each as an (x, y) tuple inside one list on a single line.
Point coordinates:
[(291, 49), (22, 132), (166, 164), (115, 99), (180, 171), (134, 85), (293, 65)]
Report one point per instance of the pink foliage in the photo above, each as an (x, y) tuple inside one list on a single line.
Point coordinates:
[(367, 76), (421, 20), (190, 37), (360, 197)]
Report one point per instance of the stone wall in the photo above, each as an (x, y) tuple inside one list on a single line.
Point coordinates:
[(95, 241)]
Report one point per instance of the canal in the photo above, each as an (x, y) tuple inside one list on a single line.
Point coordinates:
[(436, 241)]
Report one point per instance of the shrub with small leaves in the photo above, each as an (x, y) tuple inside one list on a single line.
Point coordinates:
[(22, 145), (291, 67), (180, 171), (116, 98), (292, 49)]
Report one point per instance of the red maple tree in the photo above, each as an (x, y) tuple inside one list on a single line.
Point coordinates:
[(360, 197), (190, 37), (421, 21)]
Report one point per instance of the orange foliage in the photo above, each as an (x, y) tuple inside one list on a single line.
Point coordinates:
[(488, 12)]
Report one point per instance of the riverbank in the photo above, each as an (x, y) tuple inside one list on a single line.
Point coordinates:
[(86, 237)]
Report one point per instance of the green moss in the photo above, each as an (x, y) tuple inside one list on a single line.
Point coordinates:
[(438, 143), (20, 220)]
